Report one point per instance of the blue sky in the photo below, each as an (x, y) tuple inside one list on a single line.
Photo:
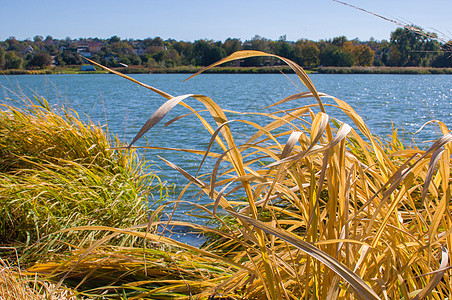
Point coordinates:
[(218, 19)]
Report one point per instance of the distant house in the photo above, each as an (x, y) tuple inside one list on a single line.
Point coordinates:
[(94, 47), (87, 68), (236, 63), (29, 49), (139, 51), (82, 48)]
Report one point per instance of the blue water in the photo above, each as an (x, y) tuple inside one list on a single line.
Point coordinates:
[(407, 101)]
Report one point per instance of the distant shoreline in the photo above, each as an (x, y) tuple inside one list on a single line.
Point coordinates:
[(383, 70), (239, 70)]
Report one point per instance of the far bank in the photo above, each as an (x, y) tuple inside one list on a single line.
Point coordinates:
[(235, 70)]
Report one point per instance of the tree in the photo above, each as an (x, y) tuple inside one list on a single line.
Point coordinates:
[(48, 40), (12, 61), (205, 53), (364, 56), (12, 44), (2, 57), (68, 57), (114, 39), (343, 58), (282, 48), (443, 60), (135, 60), (38, 38), (306, 54), (185, 51), (256, 43), (40, 60), (409, 48), (232, 45)]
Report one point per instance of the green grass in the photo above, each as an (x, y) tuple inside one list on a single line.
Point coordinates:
[(332, 213)]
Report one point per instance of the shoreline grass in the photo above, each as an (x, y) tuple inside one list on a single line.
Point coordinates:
[(384, 70), (239, 70), (58, 172), (331, 213)]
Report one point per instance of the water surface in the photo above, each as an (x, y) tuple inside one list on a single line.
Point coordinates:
[(403, 101)]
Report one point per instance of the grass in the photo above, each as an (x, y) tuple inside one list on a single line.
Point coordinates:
[(15, 285), (383, 70), (330, 212), (57, 172)]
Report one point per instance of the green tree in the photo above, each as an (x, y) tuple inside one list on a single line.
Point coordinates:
[(306, 54), (12, 61), (185, 51), (410, 48), (40, 60), (256, 43), (68, 57), (283, 48), (232, 45), (206, 53), (114, 39), (2, 57), (443, 59), (135, 60), (12, 44)]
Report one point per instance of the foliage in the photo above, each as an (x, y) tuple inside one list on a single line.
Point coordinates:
[(58, 172), (408, 48), (206, 52), (39, 60), (12, 61)]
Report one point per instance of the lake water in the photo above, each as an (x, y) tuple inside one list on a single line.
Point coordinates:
[(406, 100)]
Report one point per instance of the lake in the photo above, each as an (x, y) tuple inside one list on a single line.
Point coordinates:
[(407, 101)]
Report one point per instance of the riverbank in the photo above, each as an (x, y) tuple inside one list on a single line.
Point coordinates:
[(382, 70), (236, 70), (141, 70)]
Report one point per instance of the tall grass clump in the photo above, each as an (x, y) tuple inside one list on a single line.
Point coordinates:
[(316, 208), (57, 172)]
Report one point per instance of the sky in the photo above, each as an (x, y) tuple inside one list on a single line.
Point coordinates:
[(190, 20)]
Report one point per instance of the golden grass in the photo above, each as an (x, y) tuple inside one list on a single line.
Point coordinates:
[(15, 285), (332, 213), (57, 172)]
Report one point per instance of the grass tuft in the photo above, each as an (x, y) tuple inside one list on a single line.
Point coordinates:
[(57, 172)]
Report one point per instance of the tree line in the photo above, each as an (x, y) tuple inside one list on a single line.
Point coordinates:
[(405, 48)]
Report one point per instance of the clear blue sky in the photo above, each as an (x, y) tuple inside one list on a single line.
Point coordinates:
[(218, 19)]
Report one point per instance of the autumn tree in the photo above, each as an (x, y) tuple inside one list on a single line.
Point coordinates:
[(306, 53), (364, 56)]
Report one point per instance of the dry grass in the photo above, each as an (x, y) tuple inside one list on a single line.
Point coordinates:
[(330, 212), (57, 172), (16, 285)]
